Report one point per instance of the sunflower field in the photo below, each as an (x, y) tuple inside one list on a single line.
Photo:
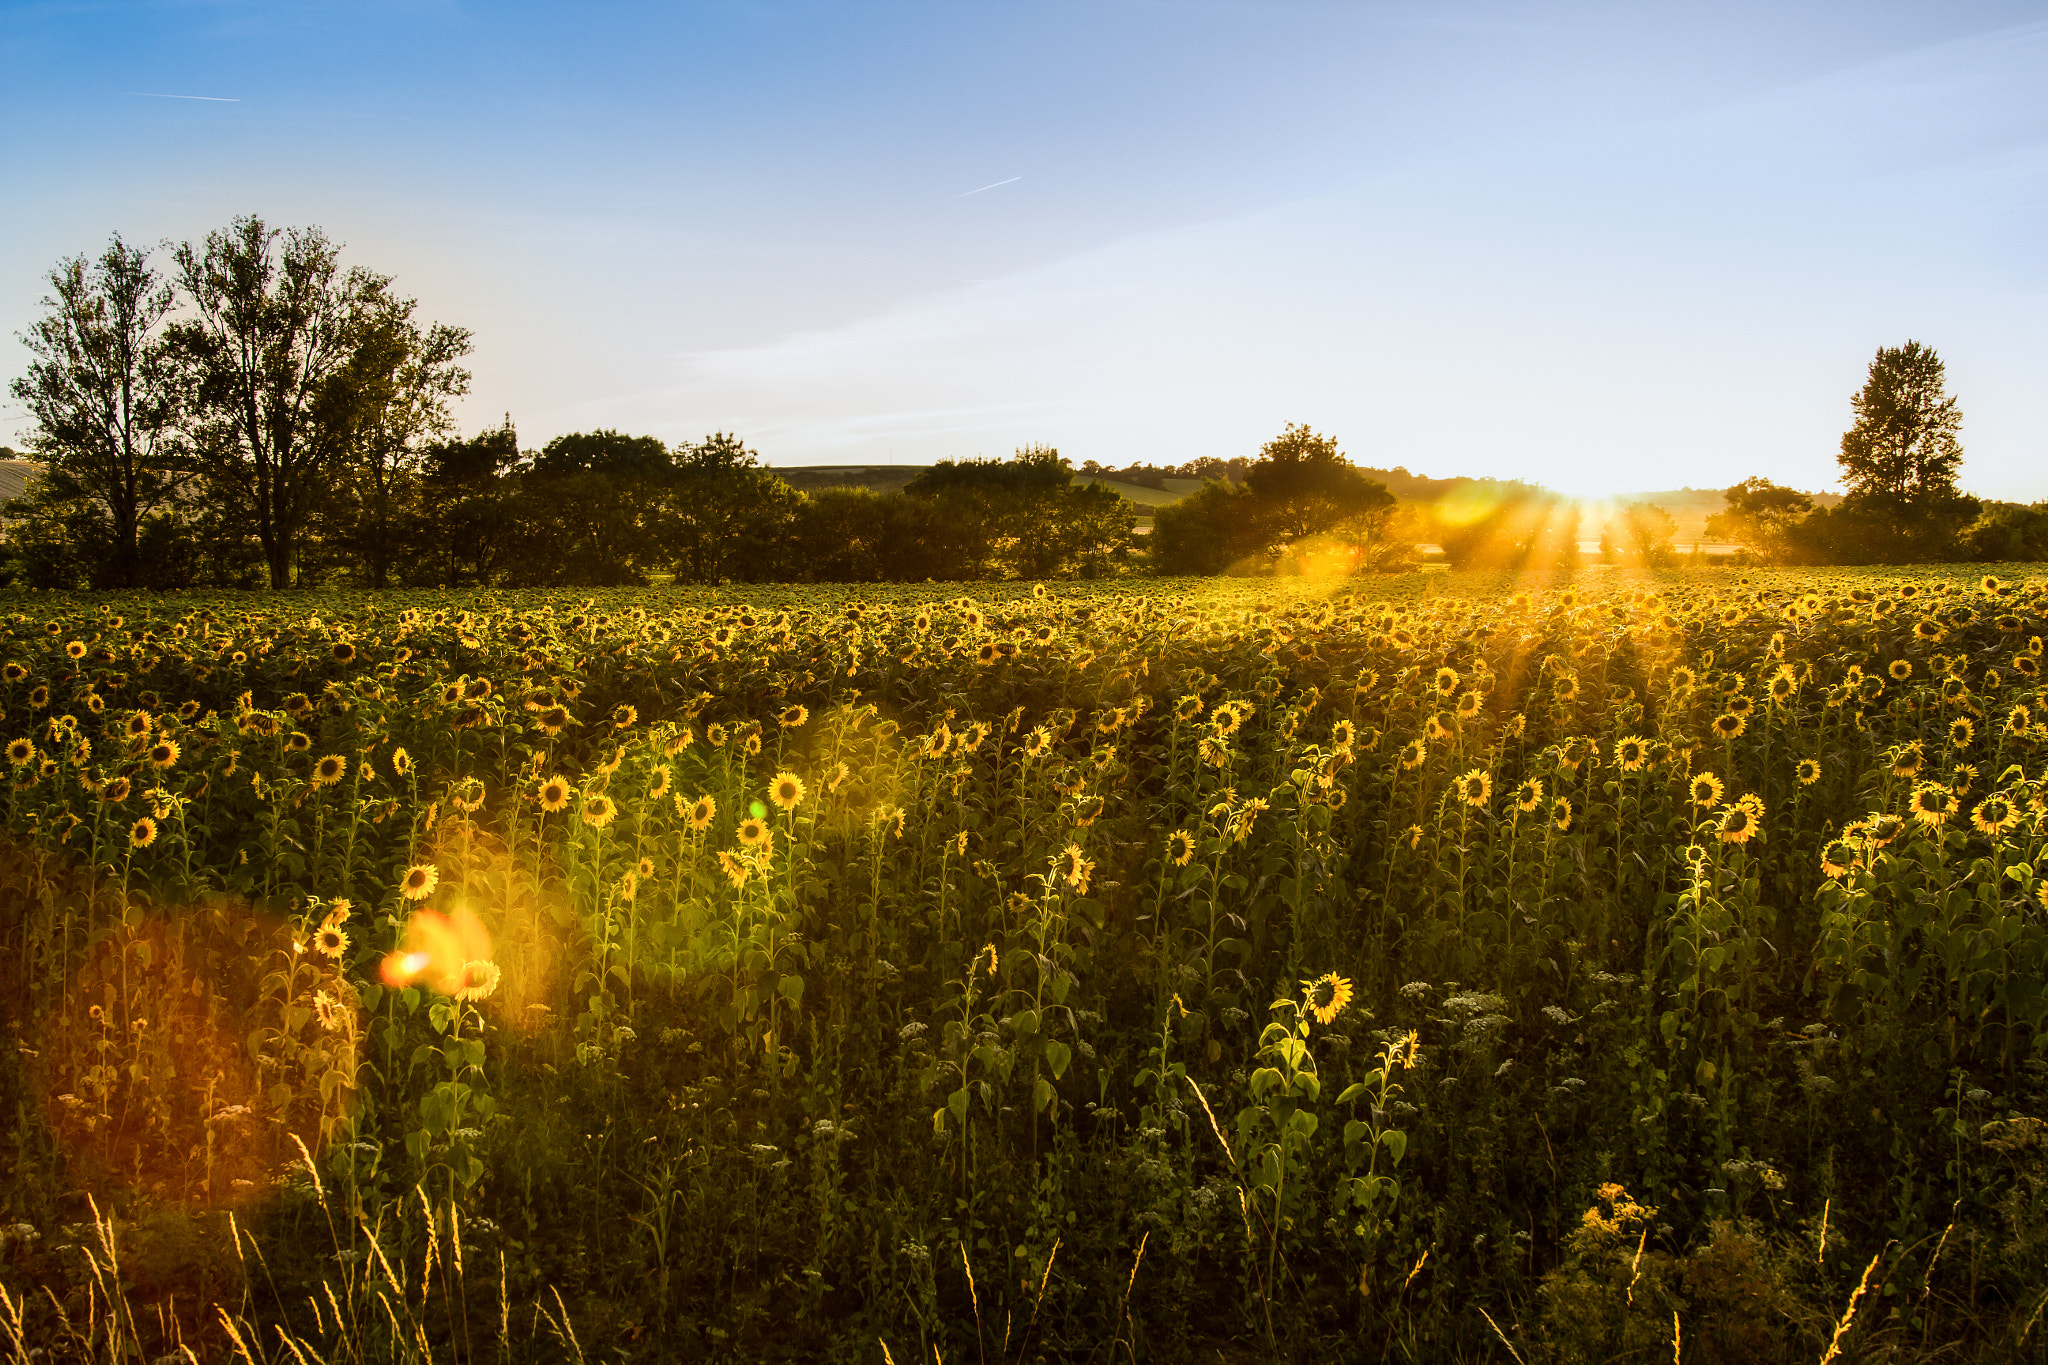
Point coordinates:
[(1439, 967)]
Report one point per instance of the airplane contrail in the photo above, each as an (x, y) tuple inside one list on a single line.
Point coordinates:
[(1011, 181), (210, 99)]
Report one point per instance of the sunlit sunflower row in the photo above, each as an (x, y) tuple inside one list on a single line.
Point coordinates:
[(1086, 862)]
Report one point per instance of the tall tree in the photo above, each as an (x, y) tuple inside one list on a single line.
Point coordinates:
[(284, 347), (1900, 460), (407, 376), (106, 398)]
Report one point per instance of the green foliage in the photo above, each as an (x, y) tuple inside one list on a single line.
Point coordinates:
[(1762, 517)]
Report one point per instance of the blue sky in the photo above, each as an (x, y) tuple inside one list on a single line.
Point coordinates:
[(1598, 245)]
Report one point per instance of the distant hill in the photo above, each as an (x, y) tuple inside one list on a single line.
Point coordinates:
[(14, 474), (882, 478)]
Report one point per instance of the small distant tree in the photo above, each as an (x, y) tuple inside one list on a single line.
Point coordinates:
[(1901, 458), (470, 534), (1639, 533), (1306, 488), (1760, 517), (723, 516)]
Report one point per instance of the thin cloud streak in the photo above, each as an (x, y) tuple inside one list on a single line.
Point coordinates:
[(210, 99), (998, 185)]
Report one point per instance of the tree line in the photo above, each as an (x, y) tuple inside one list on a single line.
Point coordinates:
[(257, 414)]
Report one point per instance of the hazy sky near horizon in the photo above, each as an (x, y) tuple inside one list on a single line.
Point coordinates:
[(1600, 246)]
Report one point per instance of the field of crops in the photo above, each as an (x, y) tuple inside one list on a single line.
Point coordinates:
[(1430, 967)]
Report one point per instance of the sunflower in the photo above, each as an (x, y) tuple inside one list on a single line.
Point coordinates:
[(987, 654), (329, 770), (1565, 688), (752, 745), (1187, 708), (1728, 725), (753, 831), (735, 871), (1705, 790), (793, 716), (1837, 858), (1037, 742), (1739, 705), (1882, 829), (1961, 732), (329, 940), (1180, 847), (1343, 735), (1631, 753), (1782, 687), (599, 810), (786, 790), (21, 753), (479, 980), (1807, 770), (1738, 823), (1931, 804), (1468, 705), (1326, 996), (701, 812), (1900, 669), (1075, 868), (714, 735), (553, 719), (1475, 788), (1561, 813), (1994, 815), (327, 1011), (644, 868), (679, 741), (554, 793), (629, 885), (419, 881), (138, 725), (116, 790), (1446, 681), (624, 714), (76, 649), (1906, 762), (40, 697), (343, 652), (14, 673), (1413, 753), (164, 754), (142, 833), (401, 762), (1529, 795), (1929, 630)]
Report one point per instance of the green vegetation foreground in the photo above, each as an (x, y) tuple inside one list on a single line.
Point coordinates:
[(1639, 966)]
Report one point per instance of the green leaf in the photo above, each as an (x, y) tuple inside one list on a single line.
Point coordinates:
[(1057, 1055)]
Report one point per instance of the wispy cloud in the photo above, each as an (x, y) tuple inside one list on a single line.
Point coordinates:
[(210, 99), (998, 185)]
